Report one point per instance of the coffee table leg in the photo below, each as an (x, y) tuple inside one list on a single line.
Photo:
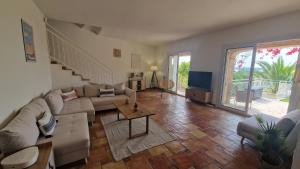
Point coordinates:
[(129, 128), (147, 124), (118, 115)]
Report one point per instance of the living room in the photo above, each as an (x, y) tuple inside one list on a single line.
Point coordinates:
[(98, 84)]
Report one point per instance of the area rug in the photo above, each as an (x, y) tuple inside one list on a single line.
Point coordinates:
[(117, 134)]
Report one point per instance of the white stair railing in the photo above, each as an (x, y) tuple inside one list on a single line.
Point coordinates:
[(65, 52)]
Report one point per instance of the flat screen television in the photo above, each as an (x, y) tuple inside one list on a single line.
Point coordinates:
[(200, 79)]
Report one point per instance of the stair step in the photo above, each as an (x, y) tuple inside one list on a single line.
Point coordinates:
[(65, 68)]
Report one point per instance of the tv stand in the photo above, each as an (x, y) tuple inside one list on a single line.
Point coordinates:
[(198, 94)]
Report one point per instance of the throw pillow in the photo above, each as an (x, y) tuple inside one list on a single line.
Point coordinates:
[(107, 92), (47, 124), (91, 90), (79, 91), (108, 86), (119, 88), (69, 96)]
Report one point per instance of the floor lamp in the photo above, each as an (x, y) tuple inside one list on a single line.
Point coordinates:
[(154, 80)]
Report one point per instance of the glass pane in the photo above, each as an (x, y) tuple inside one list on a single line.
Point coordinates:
[(173, 60), (236, 78), (273, 75), (183, 73)]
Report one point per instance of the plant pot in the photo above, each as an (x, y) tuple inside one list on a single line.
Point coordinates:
[(266, 165)]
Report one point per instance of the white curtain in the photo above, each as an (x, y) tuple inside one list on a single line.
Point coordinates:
[(295, 94)]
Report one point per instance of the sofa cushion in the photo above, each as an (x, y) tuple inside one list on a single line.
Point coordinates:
[(79, 91), (71, 134), (107, 92), (102, 101), (68, 89), (92, 90), (119, 88), (291, 139), (287, 122), (55, 101), (77, 106), (37, 107), (20, 133), (67, 96)]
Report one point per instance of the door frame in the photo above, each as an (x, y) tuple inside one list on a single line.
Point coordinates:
[(294, 81), (171, 91), (223, 70), (177, 54)]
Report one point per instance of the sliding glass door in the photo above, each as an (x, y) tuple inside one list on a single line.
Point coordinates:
[(237, 78), (260, 79)]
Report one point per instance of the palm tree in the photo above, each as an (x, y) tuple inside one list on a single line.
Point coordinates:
[(183, 73), (276, 71)]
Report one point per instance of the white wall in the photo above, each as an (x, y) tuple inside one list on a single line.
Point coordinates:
[(20, 81), (64, 78), (208, 50), (102, 48)]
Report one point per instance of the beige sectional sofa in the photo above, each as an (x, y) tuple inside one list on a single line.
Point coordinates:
[(70, 140)]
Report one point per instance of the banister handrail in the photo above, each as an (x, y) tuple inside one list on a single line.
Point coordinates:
[(69, 54), (65, 38)]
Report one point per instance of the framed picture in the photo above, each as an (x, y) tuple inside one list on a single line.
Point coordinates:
[(28, 41), (117, 53)]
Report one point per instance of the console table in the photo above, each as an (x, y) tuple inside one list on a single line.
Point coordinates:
[(197, 94), (137, 84)]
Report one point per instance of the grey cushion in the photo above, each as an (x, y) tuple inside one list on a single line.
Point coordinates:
[(287, 122), (102, 101), (79, 105), (55, 101), (291, 139), (37, 107), (92, 90), (109, 86), (20, 133)]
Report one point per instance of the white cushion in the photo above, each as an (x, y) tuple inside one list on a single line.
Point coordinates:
[(47, 124), (67, 96), (107, 92)]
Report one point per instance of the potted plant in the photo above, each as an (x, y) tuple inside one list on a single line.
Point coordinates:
[(270, 142)]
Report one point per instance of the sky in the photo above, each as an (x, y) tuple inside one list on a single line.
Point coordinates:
[(288, 59)]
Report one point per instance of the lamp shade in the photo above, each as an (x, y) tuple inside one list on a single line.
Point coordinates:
[(154, 68)]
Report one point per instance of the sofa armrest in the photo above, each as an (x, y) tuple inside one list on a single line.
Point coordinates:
[(131, 94)]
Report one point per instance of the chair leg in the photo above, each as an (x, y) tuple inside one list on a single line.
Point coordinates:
[(242, 140)]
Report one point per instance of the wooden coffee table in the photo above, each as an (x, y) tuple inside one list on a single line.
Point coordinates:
[(130, 113)]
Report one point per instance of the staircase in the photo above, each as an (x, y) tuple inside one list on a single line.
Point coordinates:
[(71, 57)]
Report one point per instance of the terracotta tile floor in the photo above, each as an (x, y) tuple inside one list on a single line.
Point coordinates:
[(205, 139)]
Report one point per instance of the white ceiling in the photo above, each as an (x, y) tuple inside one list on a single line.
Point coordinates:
[(159, 21)]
